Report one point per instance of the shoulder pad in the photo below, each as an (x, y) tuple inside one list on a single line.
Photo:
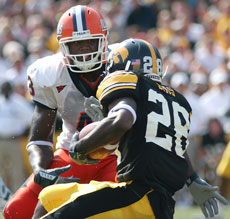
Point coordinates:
[(45, 71), (117, 81)]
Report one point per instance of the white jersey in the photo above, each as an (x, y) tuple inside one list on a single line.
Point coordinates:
[(52, 86)]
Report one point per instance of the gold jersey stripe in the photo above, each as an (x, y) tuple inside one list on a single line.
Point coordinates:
[(115, 88), (153, 54), (118, 85), (122, 79)]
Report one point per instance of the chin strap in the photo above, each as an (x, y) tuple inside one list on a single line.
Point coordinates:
[(166, 70)]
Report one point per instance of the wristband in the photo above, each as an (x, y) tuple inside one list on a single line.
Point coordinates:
[(191, 179), (43, 143), (124, 106)]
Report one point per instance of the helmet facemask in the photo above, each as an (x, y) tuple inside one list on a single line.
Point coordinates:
[(77, 24), (85, 62)]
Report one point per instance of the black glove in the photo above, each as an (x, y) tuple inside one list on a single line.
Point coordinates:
[(205, 195), (79, 157), (51, 176)]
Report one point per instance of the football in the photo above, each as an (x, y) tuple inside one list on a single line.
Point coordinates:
[(100, 153)]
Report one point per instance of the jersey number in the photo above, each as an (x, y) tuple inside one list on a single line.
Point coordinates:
[(30, 86), (148, 64), (178, 121)]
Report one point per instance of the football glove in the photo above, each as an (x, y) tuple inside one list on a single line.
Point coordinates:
[(93, 109), (205, 195), (51, 176), (79, 157)]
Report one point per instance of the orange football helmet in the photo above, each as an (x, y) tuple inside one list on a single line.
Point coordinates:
[(82, 23)]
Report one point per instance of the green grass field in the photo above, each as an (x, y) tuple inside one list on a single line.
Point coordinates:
[(189, 213), (195, 213)]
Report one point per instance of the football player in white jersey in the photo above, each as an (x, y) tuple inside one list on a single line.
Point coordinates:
[(59, 83)]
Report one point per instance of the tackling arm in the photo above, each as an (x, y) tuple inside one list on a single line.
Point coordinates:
[(190, 167), (42, 130)]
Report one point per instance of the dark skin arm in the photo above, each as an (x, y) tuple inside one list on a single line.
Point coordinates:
[(113, 128), (109, 129), (190, 167), (42, 129)]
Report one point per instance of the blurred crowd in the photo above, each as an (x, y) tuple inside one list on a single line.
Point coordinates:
[(193, 37)]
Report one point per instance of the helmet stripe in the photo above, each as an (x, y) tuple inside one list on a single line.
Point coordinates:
[(83, 17), (153, 54), (74, 20), (77, 18)]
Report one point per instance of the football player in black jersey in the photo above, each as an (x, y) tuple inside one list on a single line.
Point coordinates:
[(152, 122)]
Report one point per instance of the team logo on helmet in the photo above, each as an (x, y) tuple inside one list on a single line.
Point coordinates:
[(81, 33), (119, 55), (59, 30), (138, 56)]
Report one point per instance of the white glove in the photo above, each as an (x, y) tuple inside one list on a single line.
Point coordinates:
[(93, 109), (205, 195)]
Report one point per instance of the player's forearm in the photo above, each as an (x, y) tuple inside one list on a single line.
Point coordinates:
[(105, 133), (111, 128), (40, 157), (108, 131), (191, 171)]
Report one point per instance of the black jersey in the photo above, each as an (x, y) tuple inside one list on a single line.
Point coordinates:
[(152, 150)]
